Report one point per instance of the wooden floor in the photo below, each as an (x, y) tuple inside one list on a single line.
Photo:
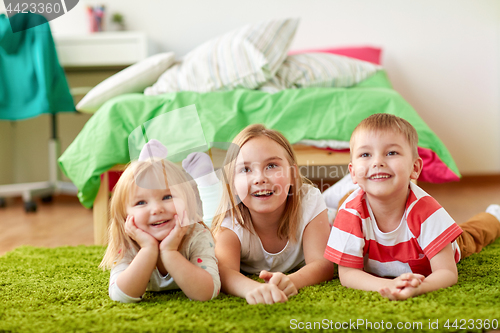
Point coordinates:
[(66, 222), (61, 222)]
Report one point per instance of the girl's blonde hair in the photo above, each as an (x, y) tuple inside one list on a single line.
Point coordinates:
[(230, 205), (119, 243)]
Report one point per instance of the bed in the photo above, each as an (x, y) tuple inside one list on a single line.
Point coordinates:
[(243, 77), (317, 114)]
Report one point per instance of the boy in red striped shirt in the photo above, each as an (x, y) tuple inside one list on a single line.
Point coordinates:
[(389, 235)]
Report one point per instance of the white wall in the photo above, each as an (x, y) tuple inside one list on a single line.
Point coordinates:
[(442, 56)]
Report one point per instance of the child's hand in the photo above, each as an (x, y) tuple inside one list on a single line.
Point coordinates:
[(400, 294), (281, 280), (174, 238), (140, 236), (409, 280), (403, 287), (266, 294)]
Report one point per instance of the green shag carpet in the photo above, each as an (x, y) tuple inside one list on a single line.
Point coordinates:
[(62, 290)]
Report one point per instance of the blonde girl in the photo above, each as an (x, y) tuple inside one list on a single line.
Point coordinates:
[(270, 221), (154, 244)]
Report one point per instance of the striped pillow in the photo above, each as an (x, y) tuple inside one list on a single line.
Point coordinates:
[(319, 70), (244, 58)]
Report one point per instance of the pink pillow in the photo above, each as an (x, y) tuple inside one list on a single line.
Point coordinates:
[(366, 53)]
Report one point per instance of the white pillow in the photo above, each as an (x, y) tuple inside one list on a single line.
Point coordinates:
[(319, 70), (133, 79), (243, 58)]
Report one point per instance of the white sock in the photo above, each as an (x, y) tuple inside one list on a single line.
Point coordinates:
[(337, 191), (207, 180), (331, 216), (200, 167), (494, 210)]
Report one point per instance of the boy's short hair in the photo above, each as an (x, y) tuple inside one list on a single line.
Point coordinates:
[(388, 122)]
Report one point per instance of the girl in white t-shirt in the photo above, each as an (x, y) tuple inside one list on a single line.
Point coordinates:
[(154, 243), (268, 222)]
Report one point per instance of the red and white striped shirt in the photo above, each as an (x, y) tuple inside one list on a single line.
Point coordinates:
[(425, 229)]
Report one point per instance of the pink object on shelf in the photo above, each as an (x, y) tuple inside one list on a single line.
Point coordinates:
[(96, 18), (366, 53)]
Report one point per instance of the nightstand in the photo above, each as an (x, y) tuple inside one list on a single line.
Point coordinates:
[(89, 59), (101, 49)]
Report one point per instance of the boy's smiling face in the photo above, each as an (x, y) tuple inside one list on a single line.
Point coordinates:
[(382, 163)]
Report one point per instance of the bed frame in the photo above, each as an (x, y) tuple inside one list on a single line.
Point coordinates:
[(306, 156)]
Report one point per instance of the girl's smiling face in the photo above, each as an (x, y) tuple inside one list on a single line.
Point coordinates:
[(262, 175), (154, 210)]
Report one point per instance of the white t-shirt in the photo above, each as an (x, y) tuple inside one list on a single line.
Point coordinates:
[(255, 258), (198, 248)]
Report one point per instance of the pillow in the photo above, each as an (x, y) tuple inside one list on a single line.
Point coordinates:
[(133, 79), (366, 53), (243, 58), (319, 70)]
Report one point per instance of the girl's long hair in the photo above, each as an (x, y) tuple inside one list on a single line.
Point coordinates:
[(230, 205), (119, 243)]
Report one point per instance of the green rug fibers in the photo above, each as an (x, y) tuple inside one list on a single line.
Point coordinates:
[(62, 290)]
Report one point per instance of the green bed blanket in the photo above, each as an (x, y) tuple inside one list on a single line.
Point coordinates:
[(313, 113)]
